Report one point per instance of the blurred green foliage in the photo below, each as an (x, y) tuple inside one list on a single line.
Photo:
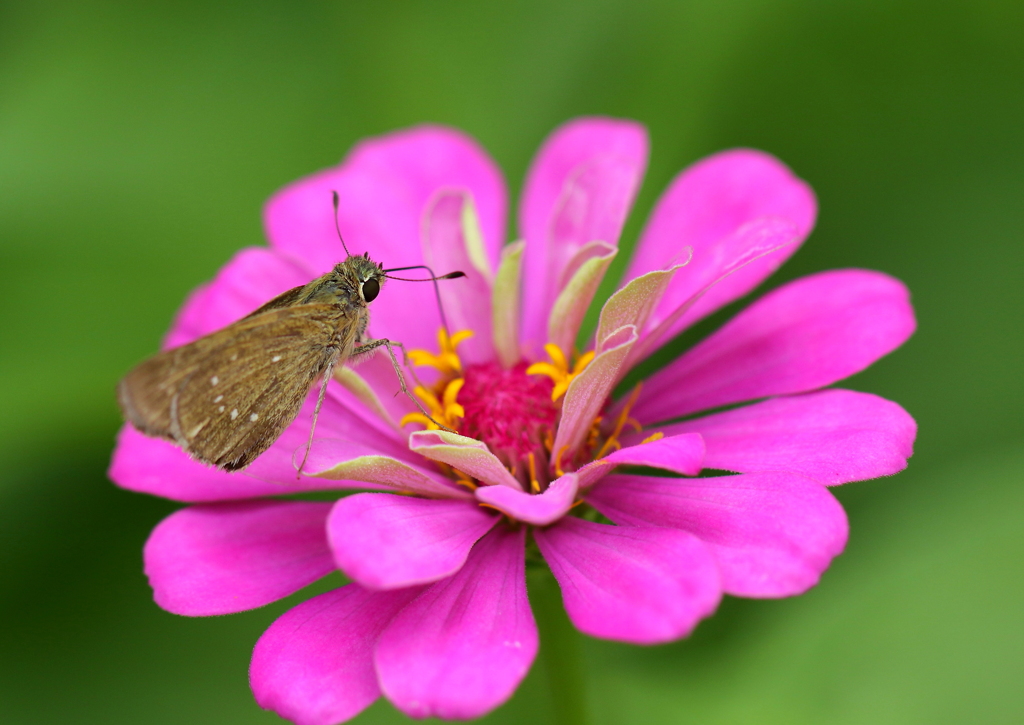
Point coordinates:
[(139, 141)]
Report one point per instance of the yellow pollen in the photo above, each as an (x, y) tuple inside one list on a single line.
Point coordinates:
[(558, 369), (534, 484), (446, 361), (653, 437), (619, 423)]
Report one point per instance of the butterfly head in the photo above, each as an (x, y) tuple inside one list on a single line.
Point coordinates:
[(363, 275)]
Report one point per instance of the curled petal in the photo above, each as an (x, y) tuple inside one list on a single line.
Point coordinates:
[(539, 509), (226, 558), (384, 186), (578, 190), (772, 534), (832, 436), (746, 253), (385, 541), (462, 647), (314, 665), (682, 453), (645, 585), (634, 303), (466, 454), (710, 201), (582, 276), (343, 460), (589, 390), (805, 335), (452, 241), (506, 303)]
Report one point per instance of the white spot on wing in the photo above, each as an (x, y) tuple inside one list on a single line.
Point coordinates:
[(234, 413), (221, 409), (218, 399), (275, 358), (254, 417), (214, 380)]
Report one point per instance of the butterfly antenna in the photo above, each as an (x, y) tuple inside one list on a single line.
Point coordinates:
[(337, 228), (432, 278)]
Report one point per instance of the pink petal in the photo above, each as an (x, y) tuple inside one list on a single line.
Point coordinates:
[(747, 253), (158, 467), (225, 558), (832, 436), (772, 534), (805, 335), (385, 185), (377, 373), (466, 454), (644, 585), (579, 189), (252, 277), (589, 390), (677, 453), (446, 247), (341, 460), (384, 541), (537, 509), (314, 665), (706, 203), (461, 648)]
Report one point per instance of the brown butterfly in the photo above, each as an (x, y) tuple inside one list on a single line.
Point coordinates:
[(226, 397)]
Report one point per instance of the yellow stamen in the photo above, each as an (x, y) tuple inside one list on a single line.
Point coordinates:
[(428, 398), (463, 480), (447, 359), (619, 423), (653, 437), (450, 393), (558, 461), (417, 418), (534, 484), (549, 440), (558, 369), (445, 411)]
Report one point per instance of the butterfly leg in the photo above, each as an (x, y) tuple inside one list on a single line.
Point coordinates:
[(387, 344), (328, 373)]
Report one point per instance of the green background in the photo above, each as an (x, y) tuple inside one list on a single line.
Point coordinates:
[(138, 142)]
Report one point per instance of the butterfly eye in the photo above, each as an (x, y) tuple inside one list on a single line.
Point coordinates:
[(371, 288)]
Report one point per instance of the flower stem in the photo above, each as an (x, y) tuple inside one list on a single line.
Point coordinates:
[(561, 649)]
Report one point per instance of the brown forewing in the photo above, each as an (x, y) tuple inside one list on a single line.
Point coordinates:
[(226, 397)]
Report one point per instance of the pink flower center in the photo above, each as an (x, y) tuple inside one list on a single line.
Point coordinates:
[(508, 410)]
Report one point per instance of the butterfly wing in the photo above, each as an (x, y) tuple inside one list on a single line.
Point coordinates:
[(285, 299), (226, 398)]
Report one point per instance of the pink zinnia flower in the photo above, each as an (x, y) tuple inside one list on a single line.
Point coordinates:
[(437, 618)]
